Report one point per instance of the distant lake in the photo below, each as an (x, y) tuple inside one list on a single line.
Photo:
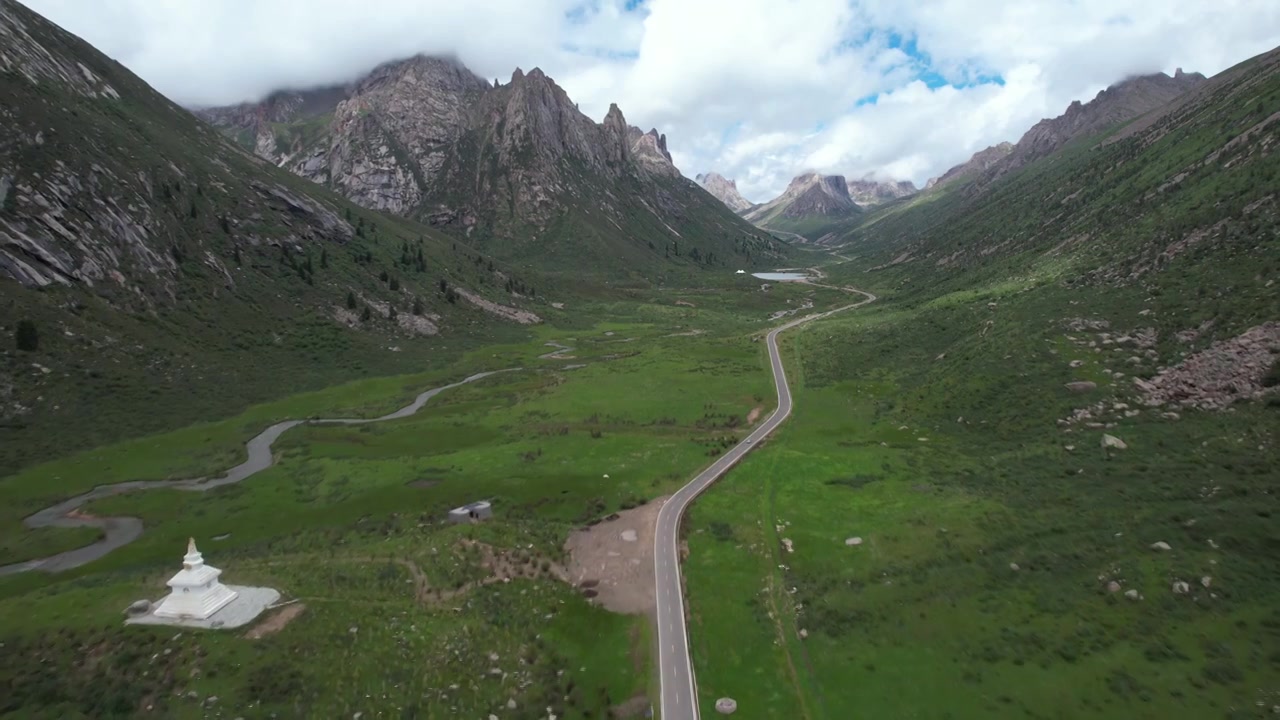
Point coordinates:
[(781, 276)]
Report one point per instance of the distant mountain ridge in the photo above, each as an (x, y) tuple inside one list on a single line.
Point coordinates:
[(1119, 103), (868, 191)]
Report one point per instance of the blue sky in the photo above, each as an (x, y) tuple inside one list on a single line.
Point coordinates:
[(757, 90)]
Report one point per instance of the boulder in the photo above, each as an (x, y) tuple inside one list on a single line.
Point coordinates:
[(1131, 594), (1081, 386), (1181, 587), (726, 706), (1162, 546), (1111, 441), (853, 541), (1113, 586)]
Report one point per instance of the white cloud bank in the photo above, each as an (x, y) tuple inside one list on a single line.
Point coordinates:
[(758, 90)]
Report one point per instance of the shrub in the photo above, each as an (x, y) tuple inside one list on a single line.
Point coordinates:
[(26, 336)]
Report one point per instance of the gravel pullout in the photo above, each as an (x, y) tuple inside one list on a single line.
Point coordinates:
[(120, 531)]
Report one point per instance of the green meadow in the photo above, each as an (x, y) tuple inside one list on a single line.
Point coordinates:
[(988, 534), (349, 521)]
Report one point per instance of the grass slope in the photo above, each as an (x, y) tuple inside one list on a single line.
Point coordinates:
[(928, 426)]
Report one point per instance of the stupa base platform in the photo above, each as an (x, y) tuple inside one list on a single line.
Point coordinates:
[(249, 604)]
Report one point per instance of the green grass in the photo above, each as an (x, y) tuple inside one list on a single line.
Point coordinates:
[(649, 409), (926, 618)]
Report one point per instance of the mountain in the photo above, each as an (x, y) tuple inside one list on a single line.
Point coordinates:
[(1179, 200), (515, 167), (726, 191), (974, 166), (867, 191), (1118, 103), (810, 204), (161, 274)]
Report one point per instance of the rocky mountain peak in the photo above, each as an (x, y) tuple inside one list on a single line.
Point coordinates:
[(724, 190), (808, 195), (425, 137)]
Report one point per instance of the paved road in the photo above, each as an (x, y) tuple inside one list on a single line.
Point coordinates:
[(679, 690)]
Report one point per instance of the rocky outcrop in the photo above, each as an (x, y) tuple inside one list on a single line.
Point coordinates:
[(724, 190), (868, 191), (23, 53), (1221, 374)]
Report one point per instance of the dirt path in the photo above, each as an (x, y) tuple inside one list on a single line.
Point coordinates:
[(120, 531)]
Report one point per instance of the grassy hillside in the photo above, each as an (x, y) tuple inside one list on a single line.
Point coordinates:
[(1008, 557), (171, 277)]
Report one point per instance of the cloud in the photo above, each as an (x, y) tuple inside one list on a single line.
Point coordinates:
[(758, 90)]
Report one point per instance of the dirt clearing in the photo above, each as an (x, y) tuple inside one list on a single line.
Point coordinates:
[(614, 559), (754, 414), (276, 622)]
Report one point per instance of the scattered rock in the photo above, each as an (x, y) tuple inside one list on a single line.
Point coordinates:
[(1014, 567), (1162, 546), (1206, 581), (1181, 587), (1131, 594), (511, 703), (138, 607), (788, 545), (1075, 363), (1113, 586), (803, 633), (1219, 375), (1081, 386), (1111, 441)]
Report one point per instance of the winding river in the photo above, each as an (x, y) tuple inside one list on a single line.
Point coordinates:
[(120, 531)]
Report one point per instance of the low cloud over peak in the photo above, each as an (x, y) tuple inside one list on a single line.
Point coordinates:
[(756, 89)]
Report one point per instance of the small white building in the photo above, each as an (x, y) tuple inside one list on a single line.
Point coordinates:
[(479, 510), (196, 592)]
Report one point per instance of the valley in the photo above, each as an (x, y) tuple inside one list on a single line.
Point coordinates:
[(999, 444)]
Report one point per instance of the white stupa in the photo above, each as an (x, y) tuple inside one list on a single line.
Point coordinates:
[(197, 594)]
